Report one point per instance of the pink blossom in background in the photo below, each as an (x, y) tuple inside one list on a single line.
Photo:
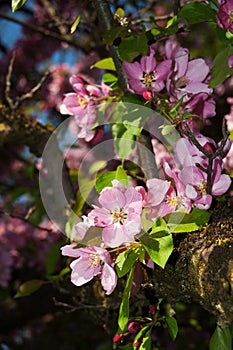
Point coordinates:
[(225, 15), (147, 75), (119, 214), (23, 245), (92, 261)]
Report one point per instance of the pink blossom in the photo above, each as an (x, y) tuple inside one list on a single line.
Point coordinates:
[(82, 104), (119, 214), (195, 181), (188, 77), (147, 75), (225, 15), (92, 261)]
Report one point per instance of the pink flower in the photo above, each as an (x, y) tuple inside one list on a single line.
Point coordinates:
[(92, 261), (147, 75), (82, 104), (195, 181), (119, 214), (225, 15), (188, 77)]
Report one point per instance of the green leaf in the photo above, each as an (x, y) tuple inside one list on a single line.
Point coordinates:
[(124, 142), (109, 78), (158, 225), (75, 25), (159, 248), (115, 32), (221, 339), (141, 334), (121, 175), (189, 227), (124, 307), (125, 261), (172, 326), (105, 180), (175, 110), (220, 70), (133, 46), (16, 4), (199, 216), (28, 288), (105, 63), (197, 12), (52, 257), (146, 341)]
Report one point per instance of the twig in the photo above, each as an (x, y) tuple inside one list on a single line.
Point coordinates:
[(22, 218), (15, 104), (30, 94), (8, 82), (69, 39)]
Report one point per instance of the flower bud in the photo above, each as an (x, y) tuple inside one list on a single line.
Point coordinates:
[(153, 309), (147, 95), (134, 327), (117, 338)]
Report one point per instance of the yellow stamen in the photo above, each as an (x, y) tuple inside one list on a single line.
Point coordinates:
[(119, 216)]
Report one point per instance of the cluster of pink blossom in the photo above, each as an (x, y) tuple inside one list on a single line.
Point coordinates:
[(82, 104), (176, 75), (22, 246), (225, 15), (120, 210), (228, 160)]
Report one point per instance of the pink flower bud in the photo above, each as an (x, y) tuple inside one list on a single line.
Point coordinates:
[(117, 338), (134, 327), (147, 95), (153, 309), (137, 343)]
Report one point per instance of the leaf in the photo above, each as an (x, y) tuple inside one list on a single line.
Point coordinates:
[(75, 25), (124, 307), (197, 12), (220, 70), (109, 78), (119, 13), (121, 175), (189, 227), (146, 341), (115, 32), (140, 334), (221, 339), (105, 63), (159, 248), (172, 326), (105, 180), (16, 4), (124, 142), (28, 288), (52, 257), (132, 47), (125, 261)]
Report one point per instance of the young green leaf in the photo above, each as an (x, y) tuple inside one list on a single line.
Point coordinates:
[(124, 307), (105, 63), (121, 175), (75, 25), (16, 4), (125, 261), (52, 257), (105, 180), (146, 341), (172, 326), (221, 339), (159, 248), (142, 334), (29, 287)]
